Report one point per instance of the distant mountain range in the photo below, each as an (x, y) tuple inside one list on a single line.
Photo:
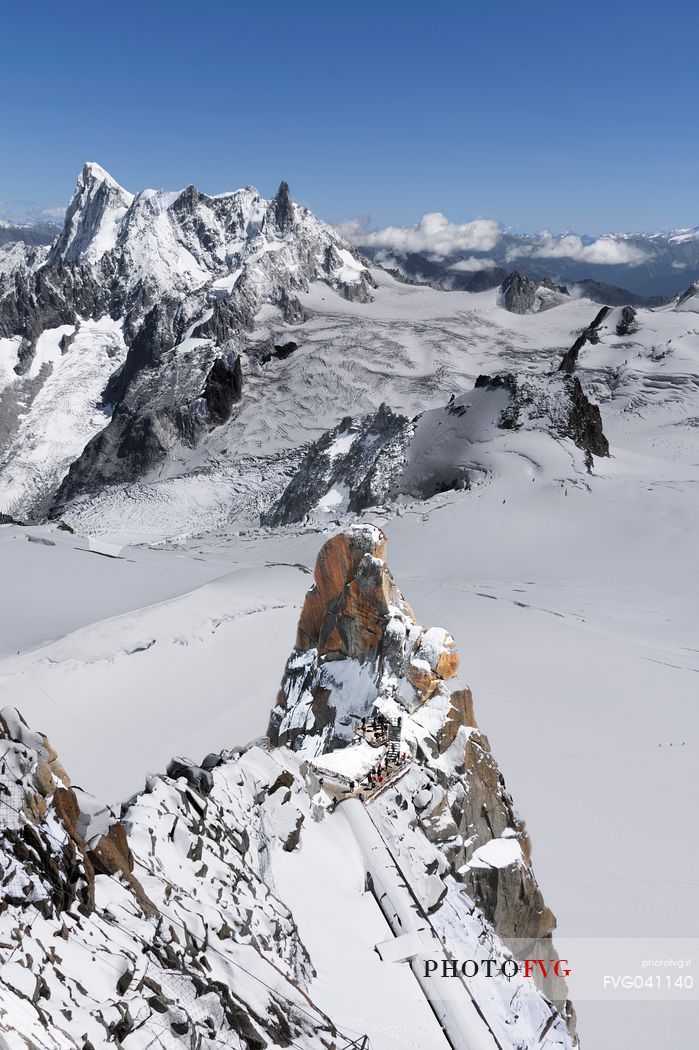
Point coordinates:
[(477, 255), (31, 232)]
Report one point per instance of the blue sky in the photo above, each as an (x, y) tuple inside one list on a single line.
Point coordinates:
[(539, 115)]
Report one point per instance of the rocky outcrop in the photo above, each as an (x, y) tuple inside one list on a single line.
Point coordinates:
[(210, 940), (384, 457), (689, 299), (356, 465), (46, 298), (360, 651), (282, 208), (626, 325), (588, 335), (522, 295), (223, 388), (355, 631), (558, 399), (54, 837), (518, 293), (356, 636)]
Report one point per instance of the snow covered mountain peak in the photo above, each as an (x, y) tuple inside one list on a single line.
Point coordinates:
[(93, 218), (93, 172), (283, 208), (182, 278)]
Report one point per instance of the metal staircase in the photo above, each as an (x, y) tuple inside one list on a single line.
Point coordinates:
[(393, 743)]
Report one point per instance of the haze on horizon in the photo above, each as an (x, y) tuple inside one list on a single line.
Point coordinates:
[(563, 120)]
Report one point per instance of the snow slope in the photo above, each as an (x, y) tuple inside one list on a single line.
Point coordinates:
[(64, 414)]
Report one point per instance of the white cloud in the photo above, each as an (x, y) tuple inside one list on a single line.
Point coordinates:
[(605, 251), (473, 264), (433, 234)]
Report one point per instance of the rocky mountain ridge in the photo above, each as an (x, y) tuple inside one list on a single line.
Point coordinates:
[(180, 938), (386, 457), (183, 277)]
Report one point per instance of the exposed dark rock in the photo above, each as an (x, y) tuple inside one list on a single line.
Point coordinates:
[(228, 319), (294, 836), (161, 329), (589, 335), (47, 298), (557, 397), (521, 295), (283, 209), (689, 294), (292, 310), (212, 760), (627, 322), (284, 350), (585, 424), (363, 458), (196, 776), (518, 293), (372, 461), (274, 352), (223, 388)]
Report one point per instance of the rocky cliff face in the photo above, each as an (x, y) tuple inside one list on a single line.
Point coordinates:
[(54, 836), (360, 651), (373, 461), (184, 276), (355, 465), (159, 925), (522, 295), (559, 400)]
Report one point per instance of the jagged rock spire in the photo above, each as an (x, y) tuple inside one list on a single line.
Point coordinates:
[(283, 208), (357, 636), (360, 651)]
